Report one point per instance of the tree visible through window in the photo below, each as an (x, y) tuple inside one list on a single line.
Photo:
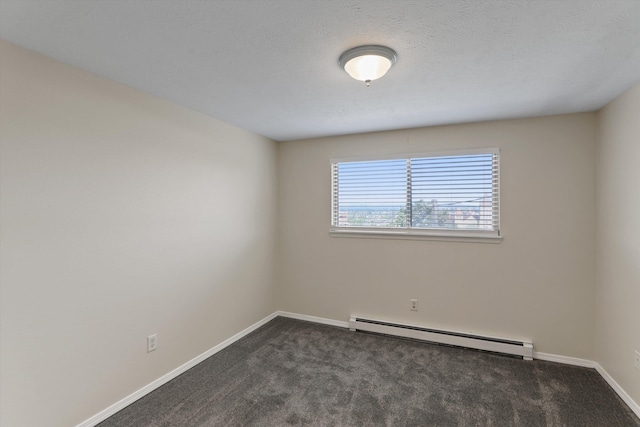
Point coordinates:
[(449, 192)]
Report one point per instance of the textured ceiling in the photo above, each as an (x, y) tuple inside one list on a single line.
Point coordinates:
[(270, 66)]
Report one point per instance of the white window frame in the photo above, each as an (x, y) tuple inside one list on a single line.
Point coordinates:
[(463, 235)]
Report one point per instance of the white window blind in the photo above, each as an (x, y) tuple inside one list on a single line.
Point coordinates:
[(454, 193)]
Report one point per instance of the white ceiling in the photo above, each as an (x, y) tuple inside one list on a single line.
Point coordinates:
[(270, 66)]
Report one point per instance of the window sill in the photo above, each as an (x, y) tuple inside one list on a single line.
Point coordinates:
[(469, 237)]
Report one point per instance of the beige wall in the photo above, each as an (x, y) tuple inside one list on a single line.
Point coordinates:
[(538, 284), (122, 215), (618, 239)]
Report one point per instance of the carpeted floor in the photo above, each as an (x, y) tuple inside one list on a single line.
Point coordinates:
[(291, 372)]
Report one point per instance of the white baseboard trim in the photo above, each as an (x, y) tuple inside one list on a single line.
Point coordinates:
[(564, 359), (103, 415), (616, 387), (314, 319)]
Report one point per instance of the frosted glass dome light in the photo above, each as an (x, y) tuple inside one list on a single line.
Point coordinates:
[(368, 63)]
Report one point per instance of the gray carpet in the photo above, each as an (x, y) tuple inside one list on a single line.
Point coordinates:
[(291, 372)]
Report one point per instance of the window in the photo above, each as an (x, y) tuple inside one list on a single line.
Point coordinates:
[(452, 194)]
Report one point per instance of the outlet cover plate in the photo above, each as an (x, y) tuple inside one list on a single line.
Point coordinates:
[(152, 343)]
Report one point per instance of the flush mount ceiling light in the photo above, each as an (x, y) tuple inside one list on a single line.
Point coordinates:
[(367, 63)]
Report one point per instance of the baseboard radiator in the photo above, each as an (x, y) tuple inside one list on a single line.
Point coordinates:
[(496, 345)]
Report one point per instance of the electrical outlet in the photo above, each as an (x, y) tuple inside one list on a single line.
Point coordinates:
[(636, 359), (152, 342), (414, 304)]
